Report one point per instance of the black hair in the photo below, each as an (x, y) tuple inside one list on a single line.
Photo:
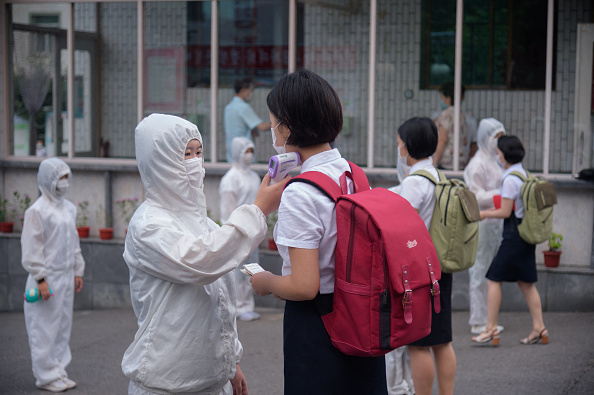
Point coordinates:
[(512, 149), (243, 84), (308, 106), (447, 90), (420, 136)]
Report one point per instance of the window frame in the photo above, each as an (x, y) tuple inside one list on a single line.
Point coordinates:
[(292, 27)]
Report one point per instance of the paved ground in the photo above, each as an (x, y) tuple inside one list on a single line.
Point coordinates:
[(100, 337)]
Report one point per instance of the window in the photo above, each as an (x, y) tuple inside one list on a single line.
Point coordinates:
[(504, 44)]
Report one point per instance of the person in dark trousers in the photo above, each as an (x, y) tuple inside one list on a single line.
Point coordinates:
[(306, 116)]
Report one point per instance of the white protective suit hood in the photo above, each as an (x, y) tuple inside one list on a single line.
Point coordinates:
[(483, 174), (160, 160), (239, 146), (487, 130), (240, 184), (50, 172)]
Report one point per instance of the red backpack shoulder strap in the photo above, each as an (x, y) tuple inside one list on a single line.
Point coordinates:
[(359, 178), (329, 187), (322, 182)]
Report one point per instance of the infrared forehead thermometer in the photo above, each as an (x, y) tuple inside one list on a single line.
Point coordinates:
[(280, 165)]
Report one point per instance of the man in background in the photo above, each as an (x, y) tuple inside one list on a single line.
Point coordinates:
[(240, 118)]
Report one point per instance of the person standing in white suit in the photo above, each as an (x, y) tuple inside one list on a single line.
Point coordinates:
[(239, 186), (483, 177), (51, 255), (180, 261)]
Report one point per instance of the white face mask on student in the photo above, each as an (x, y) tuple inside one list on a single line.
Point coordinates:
[(402, 168), (195, 170), (279, 150)]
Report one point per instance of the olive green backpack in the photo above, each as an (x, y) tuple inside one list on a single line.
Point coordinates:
[(454, 225), (538, 196)]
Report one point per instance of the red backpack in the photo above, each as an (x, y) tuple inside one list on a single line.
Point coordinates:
[(386, 268)]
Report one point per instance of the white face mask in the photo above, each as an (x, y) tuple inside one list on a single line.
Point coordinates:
[(195, 172), (279, 150), (248, 158), (402, 168), (62, 187), (500, 163)]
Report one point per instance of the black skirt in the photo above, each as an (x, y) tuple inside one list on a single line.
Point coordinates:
[(314, 366), (515, 259), (441, 323)]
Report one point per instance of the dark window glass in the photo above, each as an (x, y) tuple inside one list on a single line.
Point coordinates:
[(503, 44)]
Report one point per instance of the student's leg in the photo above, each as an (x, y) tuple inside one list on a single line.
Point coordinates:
[(445, 366), (423, 372), (493, 303), (535, 306)]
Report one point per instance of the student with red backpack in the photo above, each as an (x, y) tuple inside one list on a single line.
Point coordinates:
[(306, 116), (417, 141)]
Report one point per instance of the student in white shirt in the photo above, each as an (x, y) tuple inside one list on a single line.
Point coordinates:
[(306, 116), (515, 260), (417, 141)]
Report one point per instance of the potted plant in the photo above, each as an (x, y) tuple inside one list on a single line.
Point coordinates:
[(553, 255), (6, 224), (82, 218), (22, 202), (106, 232), (270, 223), (127, 208)]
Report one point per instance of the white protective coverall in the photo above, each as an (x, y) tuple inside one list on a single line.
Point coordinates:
[(51, 250), (240, 186), (483, 177), (180, 261)]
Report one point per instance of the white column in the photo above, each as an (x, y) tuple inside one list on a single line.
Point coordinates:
[(292, 35), (214, 77), (458, 82), (140, 61), (70, 79), (371, 104), (548, 88), (4, 43)]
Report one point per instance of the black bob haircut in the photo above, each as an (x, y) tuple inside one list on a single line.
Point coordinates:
[(512, 149), (420, 136), (241, 84), (308, 106), (447, 90)]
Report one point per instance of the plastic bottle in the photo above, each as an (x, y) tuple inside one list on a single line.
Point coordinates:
[(32, 295)]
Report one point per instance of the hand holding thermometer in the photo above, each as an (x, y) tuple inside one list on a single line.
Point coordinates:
[(280, 165)]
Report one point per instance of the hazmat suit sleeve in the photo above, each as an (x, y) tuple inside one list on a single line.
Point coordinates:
[(32, 243), (475, 177), (79, 261), (228, 204), (167, 252)]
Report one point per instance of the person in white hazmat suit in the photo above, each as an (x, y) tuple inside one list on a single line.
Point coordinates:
[(52, 256), (398, 370), (240, 186), (483, 177), (181, 280)]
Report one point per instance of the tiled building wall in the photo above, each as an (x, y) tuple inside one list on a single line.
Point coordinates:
[(326, 29), (398, 71), (118, 77)]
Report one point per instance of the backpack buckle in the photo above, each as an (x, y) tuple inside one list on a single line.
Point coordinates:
[(407, 298), (434, 288)]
